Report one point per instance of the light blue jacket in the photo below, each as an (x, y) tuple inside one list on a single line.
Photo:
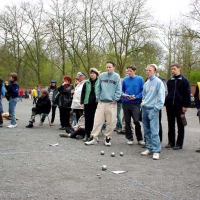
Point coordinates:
[(108, 87), (153, 95)]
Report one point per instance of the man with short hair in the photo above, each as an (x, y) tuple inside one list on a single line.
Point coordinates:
[(132, 87), (108, 92), (153, 97), (12, 97), (177, 101)]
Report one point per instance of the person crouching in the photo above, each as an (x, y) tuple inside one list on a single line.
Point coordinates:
[(43, 106)]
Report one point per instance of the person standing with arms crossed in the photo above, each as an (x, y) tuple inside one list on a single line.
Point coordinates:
[(108, 92)]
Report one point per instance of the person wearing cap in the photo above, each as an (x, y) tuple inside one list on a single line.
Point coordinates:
[(52, 89), (108, 92), (43, 106), (76, 102), (88, 101), (197, 104), (64, 99), (153, 97), (177, 101), (132, 87)]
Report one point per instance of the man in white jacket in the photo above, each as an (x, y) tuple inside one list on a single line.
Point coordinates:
[(76, 106)]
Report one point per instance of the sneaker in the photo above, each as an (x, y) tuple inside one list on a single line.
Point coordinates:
[(91, 141), (107, 141), (141, 143), (156, 156), (130, 142), (146, 153), (12, 126), (64, 134), (51, 124), (29, 126)]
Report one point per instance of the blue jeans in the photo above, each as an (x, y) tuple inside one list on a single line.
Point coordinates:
[(12, 105), (150, 120), (119, 117)]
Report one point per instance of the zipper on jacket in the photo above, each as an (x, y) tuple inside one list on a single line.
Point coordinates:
[(174, 92)]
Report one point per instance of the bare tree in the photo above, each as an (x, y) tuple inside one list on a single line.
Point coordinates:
[(124, 21)]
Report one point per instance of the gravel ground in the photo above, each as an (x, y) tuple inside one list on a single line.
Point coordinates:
[(32, 169)]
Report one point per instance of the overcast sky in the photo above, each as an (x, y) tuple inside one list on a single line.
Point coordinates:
[(162, 10)]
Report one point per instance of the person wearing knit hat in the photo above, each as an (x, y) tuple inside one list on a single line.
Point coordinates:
[(88, 101)]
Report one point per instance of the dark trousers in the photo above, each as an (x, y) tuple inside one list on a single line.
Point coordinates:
[(1, 118), (172, 115), (132, 110), (89, 117), (36, 111), (65, 116), (160, 126), (34, 100), (53, 113), (80, 131), (79, 113)]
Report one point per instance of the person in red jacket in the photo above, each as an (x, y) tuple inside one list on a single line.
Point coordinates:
[(21, 92)]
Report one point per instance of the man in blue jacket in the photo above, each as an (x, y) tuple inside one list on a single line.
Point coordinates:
[(177, 101), (108, 92), (153, 97), (132, 87)]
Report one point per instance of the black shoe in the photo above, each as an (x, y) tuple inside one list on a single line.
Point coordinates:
[(1, 124), (198, 151), (29, 126), (177, 147), (169, 146), (62, 128)]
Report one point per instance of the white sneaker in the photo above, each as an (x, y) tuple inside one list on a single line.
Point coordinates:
[(141, 143), (107, 141), (12, 126), (146, 153), (91, 141), (130, 142), (156, 156)]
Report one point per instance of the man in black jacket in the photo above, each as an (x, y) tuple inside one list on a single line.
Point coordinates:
[(197, 103), (177, 101), (43, 106)]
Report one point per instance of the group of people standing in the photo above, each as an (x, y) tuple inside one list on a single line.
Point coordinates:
[(94, 102)]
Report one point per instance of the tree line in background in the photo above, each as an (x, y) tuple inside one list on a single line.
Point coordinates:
[(41, 42)]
